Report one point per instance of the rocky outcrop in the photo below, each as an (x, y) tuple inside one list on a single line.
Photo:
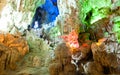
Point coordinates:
[(14, 17), (36, 62), (61, 64), (67, 15), (12, 49)]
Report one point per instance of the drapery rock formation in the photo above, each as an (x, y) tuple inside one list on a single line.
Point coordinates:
[(66, 11), (12, 49)]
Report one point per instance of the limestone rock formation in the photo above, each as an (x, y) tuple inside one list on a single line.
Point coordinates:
[(2, 4), (66, 10), (12, 49), (36, 62), (12, 23), (61, 64)]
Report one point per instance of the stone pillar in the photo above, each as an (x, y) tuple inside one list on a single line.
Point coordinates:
[(66, 8)]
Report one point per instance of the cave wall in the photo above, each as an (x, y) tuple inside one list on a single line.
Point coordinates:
[(68, 15), (17, 15), (2, 4)]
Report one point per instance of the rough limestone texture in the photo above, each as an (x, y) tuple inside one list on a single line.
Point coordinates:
[(65, 7), (12, 49), (2, 4), (36, 62), (65, 10), (61, 64), (12, 20)]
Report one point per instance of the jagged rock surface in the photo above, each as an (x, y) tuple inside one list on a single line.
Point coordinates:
[(61, 64), (12, 49)]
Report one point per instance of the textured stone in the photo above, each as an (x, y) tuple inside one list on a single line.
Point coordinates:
[(12, 49)]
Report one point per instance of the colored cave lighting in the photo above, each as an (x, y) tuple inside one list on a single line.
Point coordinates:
[(45, 13), (71, 40), (100, 41)]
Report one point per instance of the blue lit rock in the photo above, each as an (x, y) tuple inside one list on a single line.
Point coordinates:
[(46, 13)]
